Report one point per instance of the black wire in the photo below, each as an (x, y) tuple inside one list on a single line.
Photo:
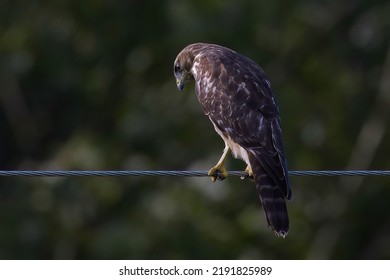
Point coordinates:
[(195, 173)]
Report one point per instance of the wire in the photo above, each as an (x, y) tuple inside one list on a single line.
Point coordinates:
[(195, 173)]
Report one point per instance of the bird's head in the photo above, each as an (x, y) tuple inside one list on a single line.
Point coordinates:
[(182, 68)]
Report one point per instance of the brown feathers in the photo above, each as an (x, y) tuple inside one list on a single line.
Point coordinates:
[(236, 95)]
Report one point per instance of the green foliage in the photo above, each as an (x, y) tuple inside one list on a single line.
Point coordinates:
[(89, 85)]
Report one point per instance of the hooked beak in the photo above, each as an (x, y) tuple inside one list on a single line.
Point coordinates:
[(180, 84)]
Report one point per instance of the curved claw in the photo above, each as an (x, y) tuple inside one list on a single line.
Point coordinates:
[(218, 173), (248, 175)]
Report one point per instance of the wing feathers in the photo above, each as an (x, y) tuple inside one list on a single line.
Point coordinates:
[(236, 95)]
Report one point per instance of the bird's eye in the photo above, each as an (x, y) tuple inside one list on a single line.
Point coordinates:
[(177, 68)]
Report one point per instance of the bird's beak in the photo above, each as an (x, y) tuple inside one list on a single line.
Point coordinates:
[(180, 84)]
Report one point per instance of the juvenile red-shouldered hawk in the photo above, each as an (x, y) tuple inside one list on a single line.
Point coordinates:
[(236, 95)]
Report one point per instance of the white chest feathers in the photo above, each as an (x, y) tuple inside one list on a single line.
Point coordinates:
[(237, 151)]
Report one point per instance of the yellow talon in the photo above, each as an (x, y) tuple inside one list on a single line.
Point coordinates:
[(249, 174), (218, 172)]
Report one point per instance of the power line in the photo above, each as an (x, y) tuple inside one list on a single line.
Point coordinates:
[(169, 173)]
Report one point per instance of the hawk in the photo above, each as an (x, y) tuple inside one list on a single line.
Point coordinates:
[(236, 95)]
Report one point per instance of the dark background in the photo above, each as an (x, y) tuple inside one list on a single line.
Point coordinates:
[(89, 85)]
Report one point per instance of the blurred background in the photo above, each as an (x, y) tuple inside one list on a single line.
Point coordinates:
[(88, 85)]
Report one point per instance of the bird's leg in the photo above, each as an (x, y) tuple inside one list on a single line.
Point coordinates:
[(249, 174), (219, 171)]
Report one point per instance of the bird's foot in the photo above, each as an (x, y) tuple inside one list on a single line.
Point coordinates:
[(218, 172), (249, 174)]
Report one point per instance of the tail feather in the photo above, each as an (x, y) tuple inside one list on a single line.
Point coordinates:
[(272, 199)]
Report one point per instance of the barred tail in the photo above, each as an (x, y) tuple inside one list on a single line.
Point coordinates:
[(272, 199)]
